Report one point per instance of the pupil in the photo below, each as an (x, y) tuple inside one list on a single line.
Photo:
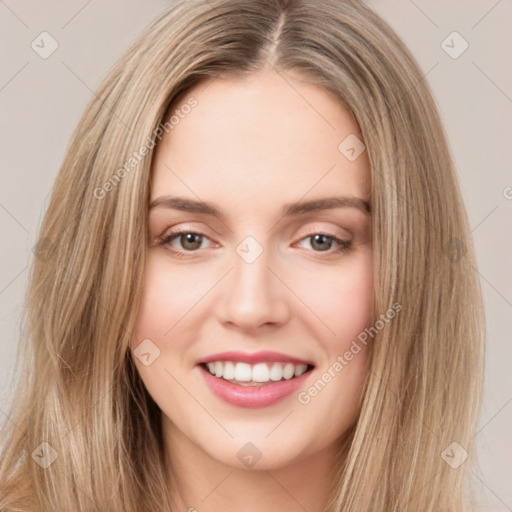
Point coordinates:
[(324, 241), (193, 239)]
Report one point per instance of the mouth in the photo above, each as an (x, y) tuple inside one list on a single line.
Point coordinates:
[(254, 380), (259, 374)]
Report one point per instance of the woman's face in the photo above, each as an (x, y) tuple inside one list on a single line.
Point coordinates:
[(260, 264)]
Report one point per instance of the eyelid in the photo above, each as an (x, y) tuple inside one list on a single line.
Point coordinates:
[(313, 230), (184, 229), (340, 232)]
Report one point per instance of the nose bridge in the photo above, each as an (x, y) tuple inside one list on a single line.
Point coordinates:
[(252, 296)]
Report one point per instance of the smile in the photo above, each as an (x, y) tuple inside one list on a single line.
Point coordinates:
[(254, 380), (257, 374)]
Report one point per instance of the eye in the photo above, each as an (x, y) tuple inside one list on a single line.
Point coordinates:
[(190, 241), (322, 242)]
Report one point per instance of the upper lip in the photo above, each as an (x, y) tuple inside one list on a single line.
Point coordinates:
[(254, 357)]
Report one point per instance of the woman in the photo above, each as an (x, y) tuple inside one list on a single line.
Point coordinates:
[(253, 287)]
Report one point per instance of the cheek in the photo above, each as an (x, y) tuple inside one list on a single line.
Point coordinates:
[(159, 318), (162, 328), (352, 310), (345, 297), (167, 299), (343, 300)]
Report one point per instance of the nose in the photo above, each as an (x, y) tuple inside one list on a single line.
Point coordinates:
[(252, 296)]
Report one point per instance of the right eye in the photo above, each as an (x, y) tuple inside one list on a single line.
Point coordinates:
[(190, 241)]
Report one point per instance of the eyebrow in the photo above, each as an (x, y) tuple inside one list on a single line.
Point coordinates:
[(289, 210)]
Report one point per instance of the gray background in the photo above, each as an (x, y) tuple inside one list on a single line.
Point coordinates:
[(42, 100)]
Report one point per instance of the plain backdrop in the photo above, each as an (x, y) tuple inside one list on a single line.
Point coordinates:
[(42, 99)]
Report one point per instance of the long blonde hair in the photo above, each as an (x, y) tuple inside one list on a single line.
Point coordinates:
[(79, 391)]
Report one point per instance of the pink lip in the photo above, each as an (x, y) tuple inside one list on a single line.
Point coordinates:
[(253, 358), (252, 396)]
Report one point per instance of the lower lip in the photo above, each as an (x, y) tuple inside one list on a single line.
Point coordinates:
[(252, 396)]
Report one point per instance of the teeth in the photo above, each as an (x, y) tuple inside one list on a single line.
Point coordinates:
[(300, 369), (229, 371), (242, 372), (276, 372), (289, 371), (260, 372)]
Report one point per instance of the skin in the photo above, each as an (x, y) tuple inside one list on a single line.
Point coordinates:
[(250, 146)]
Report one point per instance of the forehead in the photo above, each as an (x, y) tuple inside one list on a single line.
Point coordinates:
[(270, 137)]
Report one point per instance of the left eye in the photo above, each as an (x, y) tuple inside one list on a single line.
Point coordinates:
[(324, 242)]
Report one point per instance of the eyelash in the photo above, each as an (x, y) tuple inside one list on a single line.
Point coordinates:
[(343, 245)]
